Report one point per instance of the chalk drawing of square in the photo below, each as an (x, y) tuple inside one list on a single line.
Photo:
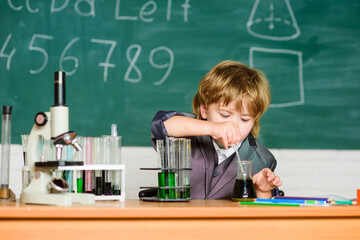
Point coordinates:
[(284, 69)]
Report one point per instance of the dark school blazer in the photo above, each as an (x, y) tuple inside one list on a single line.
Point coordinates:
[(209, 180)]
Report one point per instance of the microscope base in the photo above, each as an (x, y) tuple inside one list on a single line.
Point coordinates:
[(58, 199)]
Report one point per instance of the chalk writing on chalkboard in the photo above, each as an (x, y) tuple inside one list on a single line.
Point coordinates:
[(273, 20), (87, 8), (285, 79), (37, 39)]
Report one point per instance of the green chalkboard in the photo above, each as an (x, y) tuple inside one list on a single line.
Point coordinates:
[(125, 60)]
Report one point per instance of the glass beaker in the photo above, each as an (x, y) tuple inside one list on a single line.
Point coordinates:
[(244, 189)]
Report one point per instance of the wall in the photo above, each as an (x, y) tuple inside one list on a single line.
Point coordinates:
[(304, 172)]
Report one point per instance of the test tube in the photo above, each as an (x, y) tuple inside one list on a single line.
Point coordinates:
[(164, 177), (5, 146), (88, 161), (97, 159), (24, 142), (160, 153), (115, 158), (106, 160), (187, 165), (26, 176), (68, 175), (172, 158), (79, 156), (181, 165), (173, 145)]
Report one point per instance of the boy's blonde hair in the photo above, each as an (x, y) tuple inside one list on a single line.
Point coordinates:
[(233, 81)]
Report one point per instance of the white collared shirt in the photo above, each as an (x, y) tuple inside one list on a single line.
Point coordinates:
[(225, 153)]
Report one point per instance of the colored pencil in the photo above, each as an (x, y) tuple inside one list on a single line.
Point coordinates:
[(344, 202), (291, 201), (303, 198), (283, 204), (271, 204)]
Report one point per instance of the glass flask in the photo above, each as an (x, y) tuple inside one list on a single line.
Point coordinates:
[(244, 189)]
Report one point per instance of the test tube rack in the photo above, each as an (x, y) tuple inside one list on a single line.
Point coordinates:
[(173, 155), (170, 192), (111, 167)]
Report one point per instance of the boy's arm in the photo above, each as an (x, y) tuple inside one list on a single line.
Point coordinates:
[(158, 130), (177, 125), (181, 126), (226, 132)]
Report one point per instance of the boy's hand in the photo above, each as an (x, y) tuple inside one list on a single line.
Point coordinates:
[(227, 133), (265, 181)]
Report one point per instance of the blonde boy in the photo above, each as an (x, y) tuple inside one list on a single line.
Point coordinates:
[(228, 106)]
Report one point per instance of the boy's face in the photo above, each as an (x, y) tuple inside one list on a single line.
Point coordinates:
[(217, 112)]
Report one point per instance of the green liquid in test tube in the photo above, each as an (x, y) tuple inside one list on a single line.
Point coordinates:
[(79, 185), (166, 179), (79, 182), (171, 183), (161, 183)]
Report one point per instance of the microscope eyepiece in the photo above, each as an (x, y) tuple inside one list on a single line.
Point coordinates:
[(59, 94)]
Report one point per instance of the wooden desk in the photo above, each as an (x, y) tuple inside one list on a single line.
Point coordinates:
[(197, 219)]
